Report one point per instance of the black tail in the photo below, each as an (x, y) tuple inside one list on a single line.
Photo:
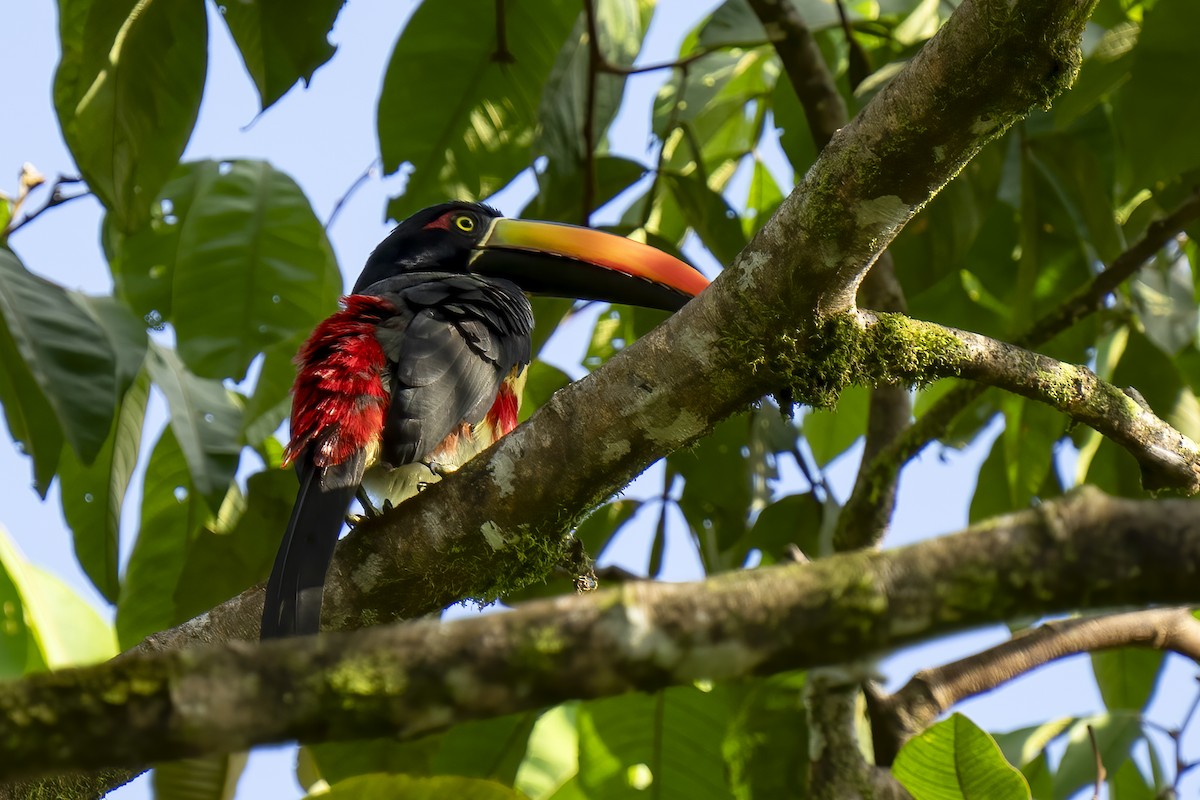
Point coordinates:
[(293, 602)]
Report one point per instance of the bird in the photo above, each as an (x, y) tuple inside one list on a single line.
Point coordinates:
[(422, 367)]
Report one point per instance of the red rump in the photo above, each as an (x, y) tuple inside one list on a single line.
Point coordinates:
[(338, 399), (503, 414)]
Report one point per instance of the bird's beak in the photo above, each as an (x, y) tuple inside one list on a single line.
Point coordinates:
[(568, 261)]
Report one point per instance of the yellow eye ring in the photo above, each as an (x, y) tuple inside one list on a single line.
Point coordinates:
[(464, 223)]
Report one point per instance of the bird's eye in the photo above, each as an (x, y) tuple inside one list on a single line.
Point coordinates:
[(465, 223)]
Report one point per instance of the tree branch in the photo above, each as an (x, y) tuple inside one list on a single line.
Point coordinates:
[(897, 717), (497, 523), (884, 469), (1167, 458), (1085, 550), (890, 407)]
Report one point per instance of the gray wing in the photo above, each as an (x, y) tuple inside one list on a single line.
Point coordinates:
[(453, 341)]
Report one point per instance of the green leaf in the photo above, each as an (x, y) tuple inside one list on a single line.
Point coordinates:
[(1115, 736), (541, 381), (560, 193), (765, 734), (792, 520), (339, 761), (620, 26), (271, 402), (65, 351), (1023, 746), (281, 41), (127, 92), (1163, 296), (831, 432), (62, 629), (1158, 131), (733, 24), (172, 512), (206, 421), (492, 748), (708, 213), (717, 493), (254, 269), (222, 563), (93, 496), (954, 759), (551, 754), (1129, 784), (457, 109), (207, 778), (487, 749), (1126, 677), (671, 740), (389, 787)]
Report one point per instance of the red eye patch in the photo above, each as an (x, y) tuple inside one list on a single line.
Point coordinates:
[(442, 223)]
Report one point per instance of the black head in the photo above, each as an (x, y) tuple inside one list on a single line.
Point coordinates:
[(539, 257), (440, 238)]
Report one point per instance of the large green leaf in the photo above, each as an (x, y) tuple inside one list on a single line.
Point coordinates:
[(66, 352), (127, 91), (620, 26), (709, 214), (1127, 676), (551, 754), (1157, 126), (206, 419), (93, 496), (208, 778), (58, 627), (767, 732), (671, 740), (830, 432), (389, 787), (172, 512), (254, 268), (281, 41), (458, 109), (224, 562), (955, 760)]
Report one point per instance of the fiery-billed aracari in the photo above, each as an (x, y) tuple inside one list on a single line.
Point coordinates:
[(423, 366)]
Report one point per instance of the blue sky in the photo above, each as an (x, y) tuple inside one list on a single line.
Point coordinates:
[(325, 137)]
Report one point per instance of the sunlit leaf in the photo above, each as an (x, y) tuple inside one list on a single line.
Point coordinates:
[(955, 760), (208, 778), (62, 629), (671, 740), (459, 109), (389, 787), (767, 730), (127, 92)]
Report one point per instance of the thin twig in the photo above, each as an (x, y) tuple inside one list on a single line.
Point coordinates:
[(595, 59), (502, 55), (616, 69), (56, 198), (354, 187), (897, 717), (1101, 773)]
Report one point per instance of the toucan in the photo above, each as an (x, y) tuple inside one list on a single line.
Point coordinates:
[(423, 367)]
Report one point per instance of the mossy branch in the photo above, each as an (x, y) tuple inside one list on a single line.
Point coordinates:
[(1085, 550), (895, 718), (860, 514)]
